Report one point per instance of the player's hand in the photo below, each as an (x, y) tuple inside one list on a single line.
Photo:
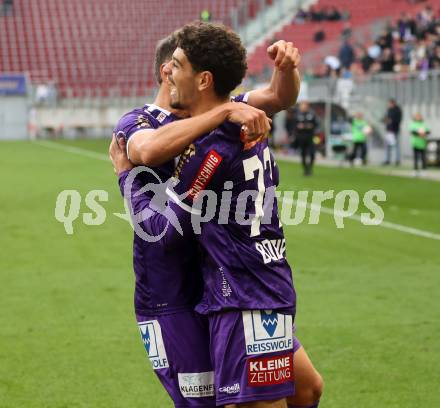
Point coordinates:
[(254, 122), (118, 155), (285, 56)]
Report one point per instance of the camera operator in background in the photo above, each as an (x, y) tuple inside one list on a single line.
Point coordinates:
[(303, 127)]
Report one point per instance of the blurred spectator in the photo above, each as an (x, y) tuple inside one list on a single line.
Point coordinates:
[(417, 55), (385, 40), (360, 130), (406, 27), (42, 94), (304, 124), (399, 63), (346, 31), (301, 16), (319, 36), (315, 15), (7, 7), (366, 61), (434, 59), (392, 119), (426, 16), (346, 54), (332, 63), (323, 14), (387, 60), (205, 15), (345, 15), (419, 133), (333, 14), (374, 51), (46, 93)]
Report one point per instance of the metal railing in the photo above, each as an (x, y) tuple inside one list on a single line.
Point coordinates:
[(420, 91)]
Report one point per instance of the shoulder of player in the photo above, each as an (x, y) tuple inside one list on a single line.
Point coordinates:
[(243, 97), (139, 118), (227, 145), (225, 140)]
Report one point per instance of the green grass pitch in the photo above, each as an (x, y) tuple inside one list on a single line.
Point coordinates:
[(368, 307)]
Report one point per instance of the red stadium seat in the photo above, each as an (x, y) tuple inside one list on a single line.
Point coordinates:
[(101, 44)]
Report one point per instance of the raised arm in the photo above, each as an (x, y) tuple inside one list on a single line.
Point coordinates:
[(154, 147), (283, 90)]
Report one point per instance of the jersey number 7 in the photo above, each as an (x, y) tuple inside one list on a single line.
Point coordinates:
[(251, 166)]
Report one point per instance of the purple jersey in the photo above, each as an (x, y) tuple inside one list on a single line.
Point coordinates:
[(167, 280), (244, 266), (241, 98)]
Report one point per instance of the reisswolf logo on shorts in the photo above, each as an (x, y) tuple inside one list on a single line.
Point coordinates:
[(270, 370), (267, 331), (193, 385), (151, 335)]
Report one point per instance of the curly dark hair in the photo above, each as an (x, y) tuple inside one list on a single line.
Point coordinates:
[(217, 49), (164, 51)]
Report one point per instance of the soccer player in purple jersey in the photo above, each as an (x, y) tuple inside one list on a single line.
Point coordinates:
[(169, 282), (151, 117), (304, 376)]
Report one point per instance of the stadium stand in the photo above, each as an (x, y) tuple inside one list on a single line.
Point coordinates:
[(100, 47), (97, 56), (364, 21)]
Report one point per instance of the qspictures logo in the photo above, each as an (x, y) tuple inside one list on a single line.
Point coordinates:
[(295, 207)]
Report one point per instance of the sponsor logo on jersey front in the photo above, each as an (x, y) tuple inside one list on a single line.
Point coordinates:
[(267, 331), (204, 174), (151, 335), (265, 371), (194, 385)]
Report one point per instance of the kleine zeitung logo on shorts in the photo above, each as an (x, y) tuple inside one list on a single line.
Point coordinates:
[(272, 370)]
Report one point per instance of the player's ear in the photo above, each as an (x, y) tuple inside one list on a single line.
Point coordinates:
[(205, 80), (163, 71)]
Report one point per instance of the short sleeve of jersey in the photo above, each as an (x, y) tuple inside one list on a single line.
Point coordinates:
[(131, 122), (134, 121), (240, 98)]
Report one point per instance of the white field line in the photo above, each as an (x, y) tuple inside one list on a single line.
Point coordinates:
[(384, 224), (326, 210), (74, 150)]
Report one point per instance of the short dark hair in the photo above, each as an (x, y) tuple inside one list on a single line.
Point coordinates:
[(164, 51), (217, 49)]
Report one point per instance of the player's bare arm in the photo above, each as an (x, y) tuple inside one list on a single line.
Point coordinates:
[(154, 147), (284, 86)]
